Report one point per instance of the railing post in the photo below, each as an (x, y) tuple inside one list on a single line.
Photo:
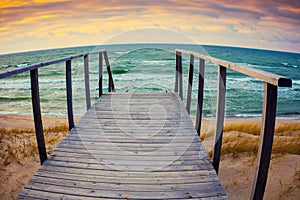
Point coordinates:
[(220, 117), (200, 95), (100, 74), (266, 141), (179, 74), (180, 77), (36, 107), (190, 83), (111, 86), (87, 82), (69, 93), (176, 71)]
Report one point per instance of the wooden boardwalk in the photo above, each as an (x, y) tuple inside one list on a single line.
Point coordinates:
[(129, 146)]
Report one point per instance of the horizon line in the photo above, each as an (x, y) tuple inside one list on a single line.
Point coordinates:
[(140, 43)]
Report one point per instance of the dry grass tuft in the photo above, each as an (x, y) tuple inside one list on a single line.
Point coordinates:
[(16, 144), (238, 145), (243, 138), (254, 128), (287, 129), (250, 128), (203, 136)]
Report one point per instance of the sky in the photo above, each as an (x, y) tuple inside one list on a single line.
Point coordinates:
[(44, 24)]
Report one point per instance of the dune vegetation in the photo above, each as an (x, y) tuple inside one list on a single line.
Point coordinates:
[(16, 144)]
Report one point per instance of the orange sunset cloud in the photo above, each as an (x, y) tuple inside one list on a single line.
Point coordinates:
[(43, 24)]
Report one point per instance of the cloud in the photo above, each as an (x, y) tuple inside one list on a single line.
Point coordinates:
[(224, 22)]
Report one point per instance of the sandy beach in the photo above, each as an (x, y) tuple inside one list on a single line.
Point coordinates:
[(236, 168)]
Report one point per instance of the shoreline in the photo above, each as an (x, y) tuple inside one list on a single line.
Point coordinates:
[(26, 121)]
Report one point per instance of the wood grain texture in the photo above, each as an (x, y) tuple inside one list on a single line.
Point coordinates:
[(111, 154)]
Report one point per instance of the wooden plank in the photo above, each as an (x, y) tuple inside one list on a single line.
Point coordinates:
[(125, 180), (220, 117), (201, 174), (69, 94), (36, 107), (87, 82), (190, 84), (266, 141), (273, 79), (200, 95), (140, 186), (119, 193)]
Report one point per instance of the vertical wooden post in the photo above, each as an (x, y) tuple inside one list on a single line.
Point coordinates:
[(100, 74), (190, 84), (87, 82), (111, 86), (220, 117), (180, 75), (36, 107), (200, 95), (266, 141), (176, 72), (69, 94)]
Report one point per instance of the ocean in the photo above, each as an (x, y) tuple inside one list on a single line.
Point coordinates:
[(150, 68)]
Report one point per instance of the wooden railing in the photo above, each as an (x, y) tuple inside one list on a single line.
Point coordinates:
[(271, 84), (35, 90)]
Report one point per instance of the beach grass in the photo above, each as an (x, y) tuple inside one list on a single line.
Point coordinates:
[(16, 144), (243, 138)]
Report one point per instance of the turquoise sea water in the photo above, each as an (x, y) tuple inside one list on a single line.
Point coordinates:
[(148, 68)]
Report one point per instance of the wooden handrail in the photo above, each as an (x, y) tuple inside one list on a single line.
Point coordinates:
[(271, 82), (44, 64), (273, 79), (35, 90)]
